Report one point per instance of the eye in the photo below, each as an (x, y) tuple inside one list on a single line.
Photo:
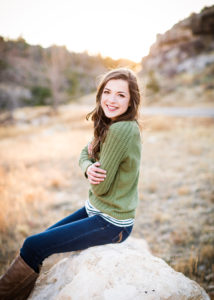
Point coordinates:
[(121, 95)]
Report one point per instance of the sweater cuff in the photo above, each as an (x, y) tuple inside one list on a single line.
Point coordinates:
[(85, 166)]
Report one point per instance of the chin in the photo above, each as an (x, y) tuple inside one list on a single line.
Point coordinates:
[(110, 116)]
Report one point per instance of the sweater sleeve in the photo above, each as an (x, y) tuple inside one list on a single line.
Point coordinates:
[(112, 153), (84, 160)]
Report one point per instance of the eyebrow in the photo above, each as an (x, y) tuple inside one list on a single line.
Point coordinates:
[(117, 92)]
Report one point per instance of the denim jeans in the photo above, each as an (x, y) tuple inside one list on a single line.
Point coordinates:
[(75, 232)]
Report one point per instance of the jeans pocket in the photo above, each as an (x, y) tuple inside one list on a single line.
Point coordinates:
[(122, 235), (118, 238)]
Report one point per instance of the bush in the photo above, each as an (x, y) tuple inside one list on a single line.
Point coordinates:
[(79, 83), (40, 95), (3, 65), (152, 84)]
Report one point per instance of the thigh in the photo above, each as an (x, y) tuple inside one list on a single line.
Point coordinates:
[(77, 215), (73, 236)]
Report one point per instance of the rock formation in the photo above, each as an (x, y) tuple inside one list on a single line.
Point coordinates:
[(124, 271), (192, 38), (183, 56)]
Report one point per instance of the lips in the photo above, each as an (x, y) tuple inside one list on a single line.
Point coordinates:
[(111, 108)]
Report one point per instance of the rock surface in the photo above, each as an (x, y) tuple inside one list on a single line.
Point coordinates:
[(180, 65), (190, 40), (115, 272)]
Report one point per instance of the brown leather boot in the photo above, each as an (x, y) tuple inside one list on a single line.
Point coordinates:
[(18, 281)]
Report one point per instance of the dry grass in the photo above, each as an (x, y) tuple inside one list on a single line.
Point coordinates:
[(157, 123), (40, 182)]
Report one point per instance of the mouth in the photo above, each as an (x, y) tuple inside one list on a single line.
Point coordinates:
[(111, 108)]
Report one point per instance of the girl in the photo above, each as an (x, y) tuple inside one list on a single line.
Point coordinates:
[(111, 163)]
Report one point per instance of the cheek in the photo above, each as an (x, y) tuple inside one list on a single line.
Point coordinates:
[(102, 104)]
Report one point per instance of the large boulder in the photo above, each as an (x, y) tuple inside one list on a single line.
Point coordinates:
[(123, 271)]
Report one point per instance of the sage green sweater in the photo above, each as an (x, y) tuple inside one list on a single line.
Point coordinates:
[(120, 156)]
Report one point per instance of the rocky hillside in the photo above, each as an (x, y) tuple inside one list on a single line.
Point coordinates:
[(32, 75), (182, 59), (179, 69)]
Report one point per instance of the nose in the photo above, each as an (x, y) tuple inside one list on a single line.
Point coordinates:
[(112, 98)]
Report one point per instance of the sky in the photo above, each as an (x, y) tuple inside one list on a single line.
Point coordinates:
[(115, 28)]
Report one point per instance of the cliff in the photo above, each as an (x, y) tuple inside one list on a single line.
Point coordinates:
[(183, 57)]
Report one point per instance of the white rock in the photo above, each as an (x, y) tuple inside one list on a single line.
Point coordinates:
[(123, 271)]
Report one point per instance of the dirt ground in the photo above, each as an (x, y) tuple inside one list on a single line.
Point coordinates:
[(41, 182)]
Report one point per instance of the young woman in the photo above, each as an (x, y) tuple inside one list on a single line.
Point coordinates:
[(111, 163)]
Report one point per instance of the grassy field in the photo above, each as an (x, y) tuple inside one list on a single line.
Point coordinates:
[(40, 182)]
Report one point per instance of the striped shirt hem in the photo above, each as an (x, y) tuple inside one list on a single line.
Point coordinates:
[(92, 211)]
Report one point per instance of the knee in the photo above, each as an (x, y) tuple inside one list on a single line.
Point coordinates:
[(30, 253), (30, 243)]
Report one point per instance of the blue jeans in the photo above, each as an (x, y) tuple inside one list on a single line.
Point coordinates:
[(75, 232)]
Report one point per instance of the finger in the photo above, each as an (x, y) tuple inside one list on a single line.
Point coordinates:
[(97, 175), (95, 178), (93, 182), (99, 170)]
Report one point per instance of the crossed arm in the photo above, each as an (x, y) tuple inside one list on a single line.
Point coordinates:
[(95, 173), (101, 174)]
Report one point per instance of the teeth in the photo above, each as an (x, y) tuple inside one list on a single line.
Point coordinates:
[(111, 107)]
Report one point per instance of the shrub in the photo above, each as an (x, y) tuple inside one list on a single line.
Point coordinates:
[(40, 95), (152, 84)]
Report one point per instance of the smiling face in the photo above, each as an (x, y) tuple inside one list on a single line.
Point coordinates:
[(115, 98)]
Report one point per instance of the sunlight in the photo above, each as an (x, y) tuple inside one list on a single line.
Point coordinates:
[(120, 29)]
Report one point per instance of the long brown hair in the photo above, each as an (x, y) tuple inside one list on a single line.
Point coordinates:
[(101, 122)]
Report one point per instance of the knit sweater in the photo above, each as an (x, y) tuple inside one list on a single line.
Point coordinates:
[(120, 156)]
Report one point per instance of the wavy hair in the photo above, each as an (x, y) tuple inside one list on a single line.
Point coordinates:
[(101, 122)]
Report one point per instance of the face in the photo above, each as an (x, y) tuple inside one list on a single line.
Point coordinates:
[(115, 98)]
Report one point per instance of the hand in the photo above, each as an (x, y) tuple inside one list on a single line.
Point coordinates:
[(95, 173)]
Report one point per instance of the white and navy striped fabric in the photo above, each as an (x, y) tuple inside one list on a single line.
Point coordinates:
[(92, 211)]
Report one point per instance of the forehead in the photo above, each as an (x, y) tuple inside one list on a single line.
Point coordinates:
[(117, 85)]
